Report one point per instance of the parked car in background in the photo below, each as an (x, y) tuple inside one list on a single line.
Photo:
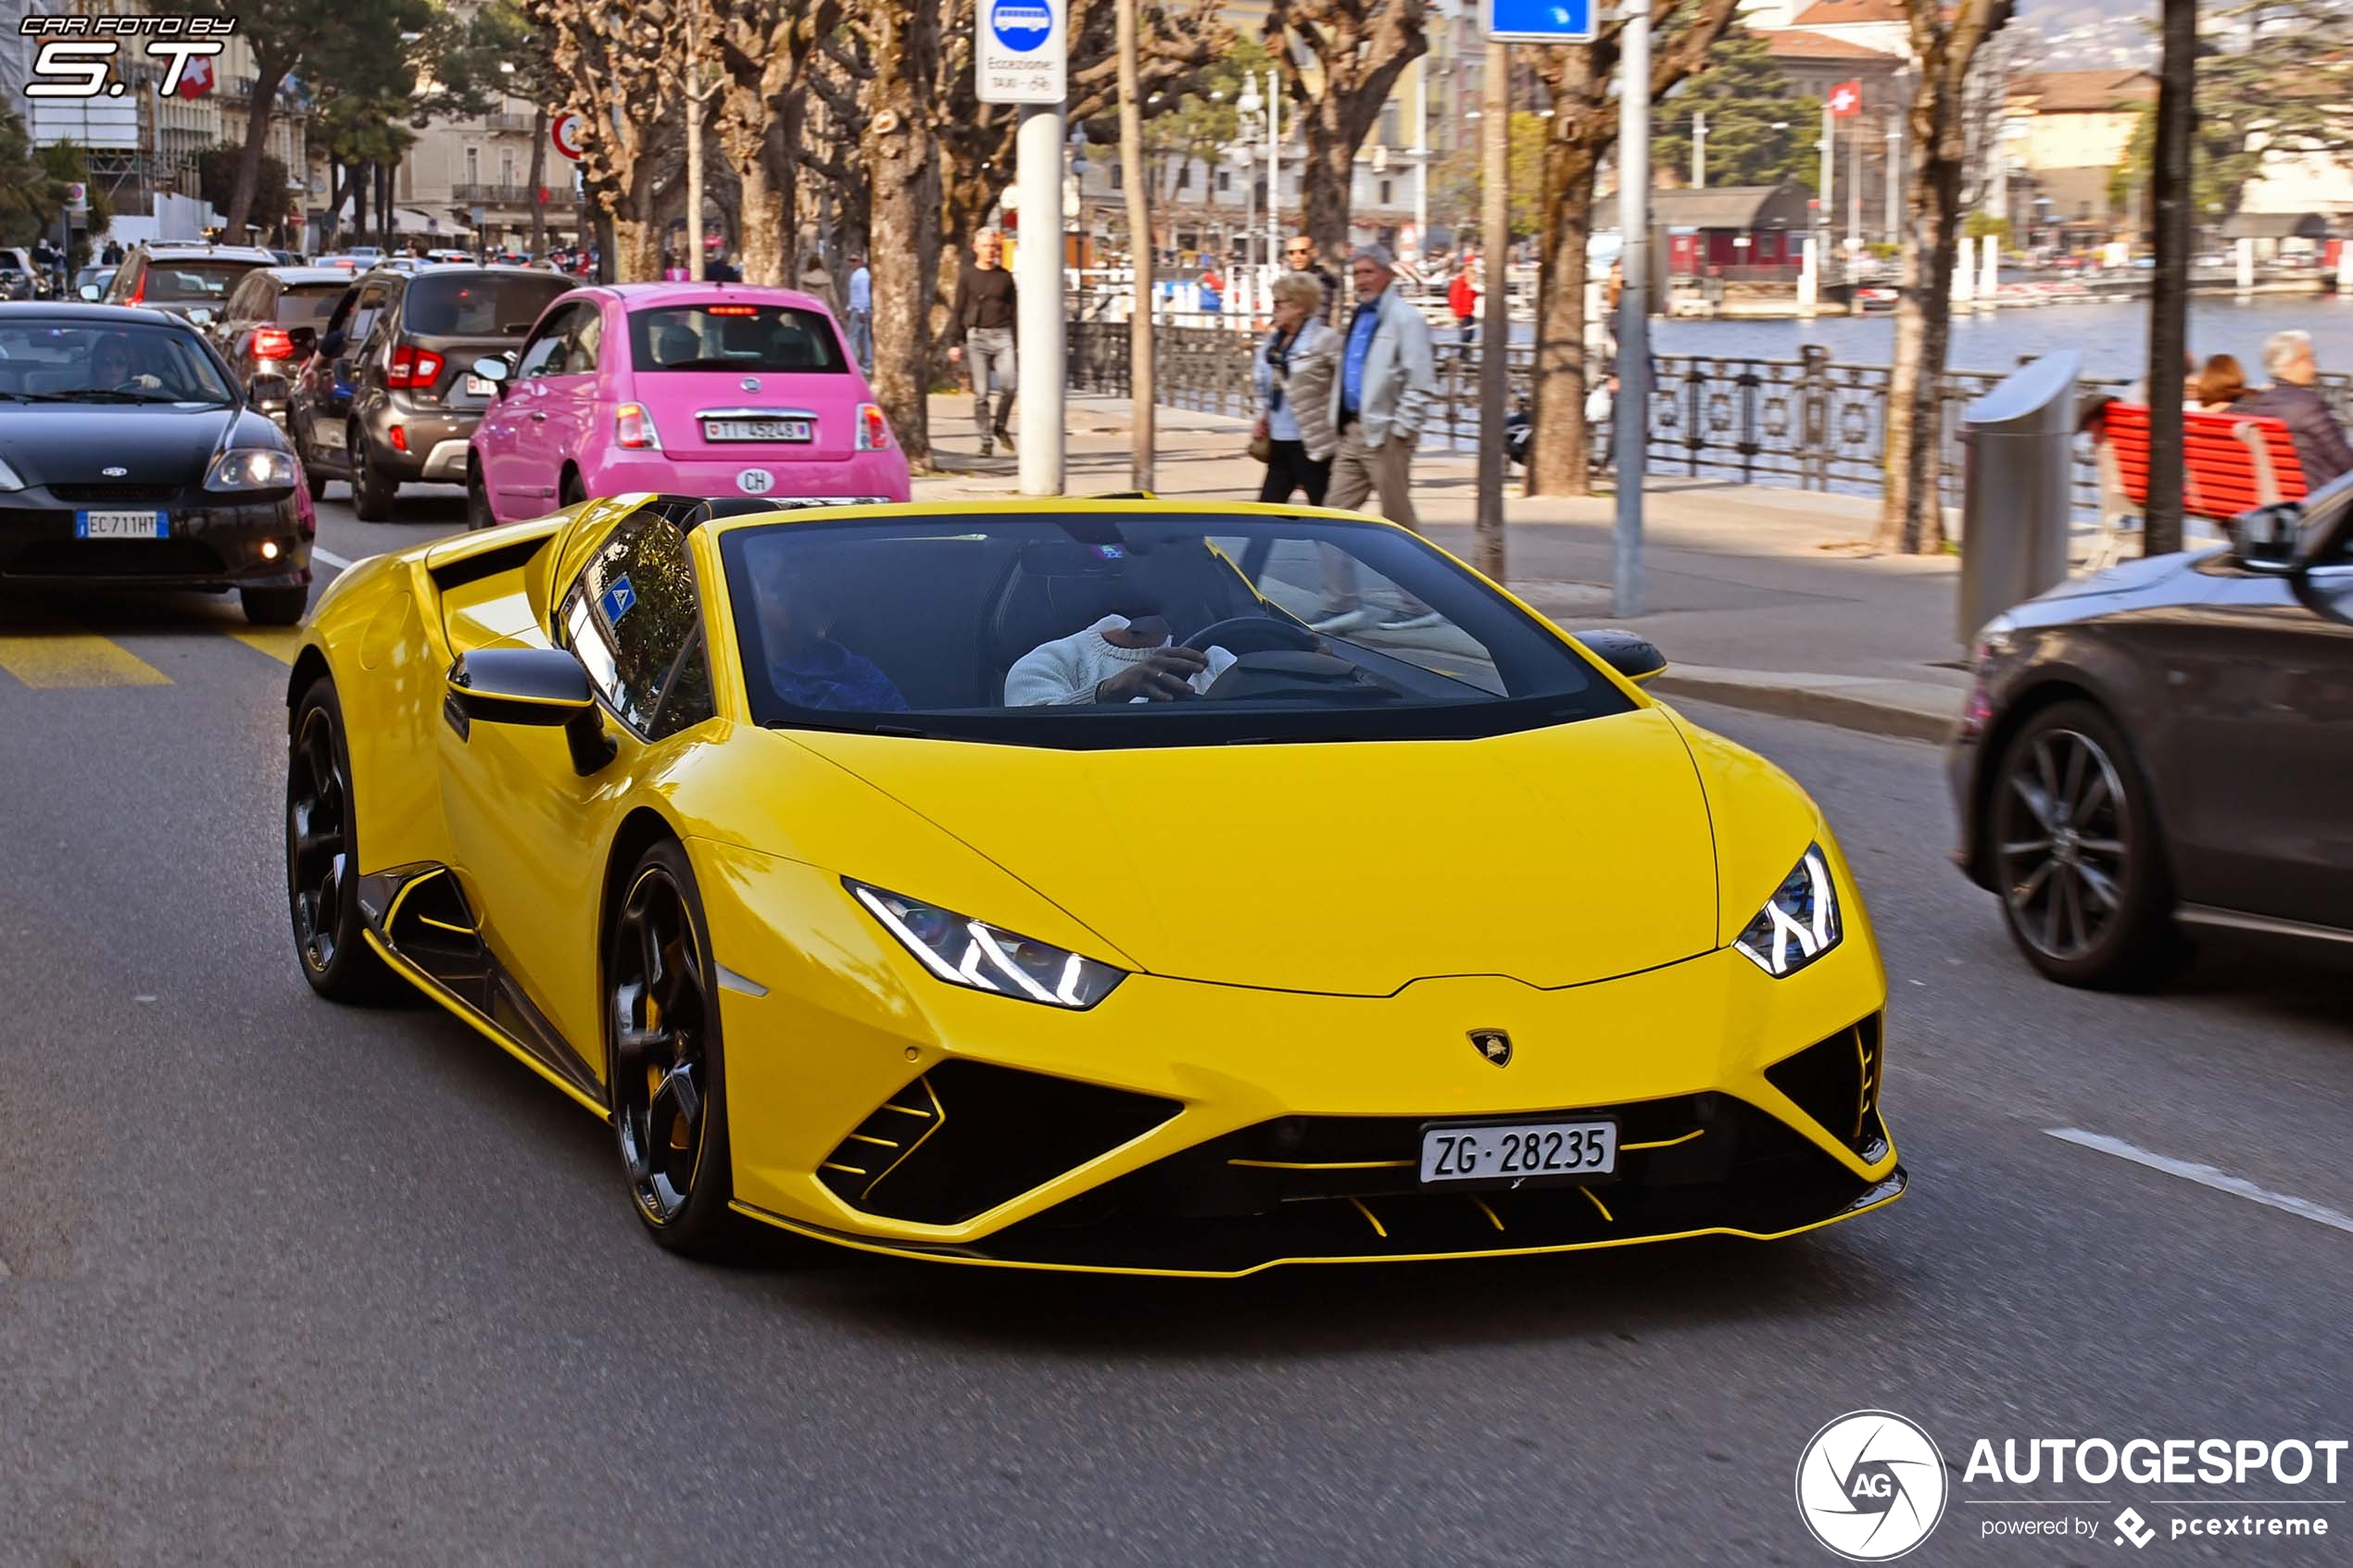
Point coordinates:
[(698, 389), (187, 280), (270, 323), (2160, 749), (93, 278), (390, 397)]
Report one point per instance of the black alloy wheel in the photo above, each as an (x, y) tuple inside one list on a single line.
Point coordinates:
[(322, 866), (669, 1095), (2076, 856), (372, 492), (478, 513)]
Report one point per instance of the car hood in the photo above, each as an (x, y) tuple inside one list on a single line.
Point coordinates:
[(73, 443), (1556, 856)]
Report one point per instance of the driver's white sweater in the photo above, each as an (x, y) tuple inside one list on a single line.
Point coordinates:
[(1068, 669)]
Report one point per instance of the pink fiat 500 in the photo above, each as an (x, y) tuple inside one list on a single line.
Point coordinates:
[(696, 389)]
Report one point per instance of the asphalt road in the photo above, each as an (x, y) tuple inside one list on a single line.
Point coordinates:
[(281, 1281)]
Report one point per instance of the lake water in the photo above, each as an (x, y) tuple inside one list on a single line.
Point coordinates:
[(2112, 337)]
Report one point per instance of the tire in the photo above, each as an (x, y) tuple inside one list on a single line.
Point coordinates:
[(274, 607), (478, 513), (323, 857), (569, 491), (372, 491), (2076, 855), (664, 1061), (314, 480)]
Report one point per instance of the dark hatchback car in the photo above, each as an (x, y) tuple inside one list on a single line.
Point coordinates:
[(391, 398), (129, 456), (2167, 746), (183, 279), (272, 324)]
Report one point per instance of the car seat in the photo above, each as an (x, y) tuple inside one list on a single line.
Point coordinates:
[(675, 345)]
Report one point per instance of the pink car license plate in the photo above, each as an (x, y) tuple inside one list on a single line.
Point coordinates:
[(758, 430)]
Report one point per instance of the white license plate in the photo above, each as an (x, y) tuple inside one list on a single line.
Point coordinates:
[(481, 386), (757, 430), (1516, 1151), (121, 525)]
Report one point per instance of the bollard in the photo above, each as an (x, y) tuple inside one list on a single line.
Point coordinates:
[(2016, 503)]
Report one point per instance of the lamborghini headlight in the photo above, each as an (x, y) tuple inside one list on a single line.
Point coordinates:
[(964, 951), (1798, 924)]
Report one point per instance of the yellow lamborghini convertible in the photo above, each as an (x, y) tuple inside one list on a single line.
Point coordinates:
[(1105, 884)]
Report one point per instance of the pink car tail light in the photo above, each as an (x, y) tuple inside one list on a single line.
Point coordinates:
[(874, 429), (633, 427)]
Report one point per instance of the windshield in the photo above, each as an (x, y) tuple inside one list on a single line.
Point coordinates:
[(302, 305), (734, 336), (1139, 630), (191, 282), (60, 361), (477, 304)]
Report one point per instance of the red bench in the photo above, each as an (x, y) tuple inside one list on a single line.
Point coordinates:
[(2231, 463)]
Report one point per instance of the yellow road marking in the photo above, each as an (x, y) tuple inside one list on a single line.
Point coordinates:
[(51, 660), (281, 642)]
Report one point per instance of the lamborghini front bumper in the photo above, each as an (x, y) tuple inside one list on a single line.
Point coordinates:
[(1193, 1128)]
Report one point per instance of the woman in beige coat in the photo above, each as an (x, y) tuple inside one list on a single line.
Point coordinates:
[(1293, 376)]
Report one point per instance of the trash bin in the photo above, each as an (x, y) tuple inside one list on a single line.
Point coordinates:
[(2018, 467)]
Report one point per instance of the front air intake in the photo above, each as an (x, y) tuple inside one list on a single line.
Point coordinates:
[(1836, 1081), (967, 1136)]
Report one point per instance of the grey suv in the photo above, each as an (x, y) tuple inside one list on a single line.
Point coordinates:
[(183, 278)]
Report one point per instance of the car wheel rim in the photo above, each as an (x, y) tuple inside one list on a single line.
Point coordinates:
[(317, 845), (660, 1015), (2062, 843)]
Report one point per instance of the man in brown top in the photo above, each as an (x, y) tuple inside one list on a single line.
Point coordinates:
[(983, 322), (1300, 252)]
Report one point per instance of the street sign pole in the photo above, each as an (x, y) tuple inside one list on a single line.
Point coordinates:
[(1633, 326), (1021, 56)]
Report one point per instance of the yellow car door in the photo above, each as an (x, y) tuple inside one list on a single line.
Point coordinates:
[(530, 810)]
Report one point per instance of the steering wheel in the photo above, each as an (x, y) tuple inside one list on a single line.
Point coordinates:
[(1250, 633)]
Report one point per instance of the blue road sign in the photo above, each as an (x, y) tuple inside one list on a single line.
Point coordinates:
[(1021, 25), (1539, 21)]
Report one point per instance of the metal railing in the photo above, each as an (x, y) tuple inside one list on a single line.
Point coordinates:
[(1807, 423)]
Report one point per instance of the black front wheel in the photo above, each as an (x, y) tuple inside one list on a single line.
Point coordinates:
[(478, 513), (669, 1086), (322, 859), (371, 490), (273, 606), (2076, 853)]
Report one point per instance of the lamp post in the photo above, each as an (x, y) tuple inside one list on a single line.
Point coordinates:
[(1248, 106)]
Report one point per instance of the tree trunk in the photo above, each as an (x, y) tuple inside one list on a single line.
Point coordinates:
[(1911, 504), (338, 186), (1559, 448), (538, 181), (1141, 457), (904, 163), (1326, 180), (265, 93), (387, 228), (764, 215), (784, 155), (362, 176)]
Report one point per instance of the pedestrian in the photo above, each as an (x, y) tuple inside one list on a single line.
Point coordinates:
[(861, 313), (722, 271), (1296, 365), (1300, 252), (2218, 387), (1461, 299), (113, 256), (815, 280), (1210, 292), (983, 322), (1384, 390), (2320, 449)]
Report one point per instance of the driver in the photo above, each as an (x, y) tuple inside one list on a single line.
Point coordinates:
[(807, 667), (1116, 659), (114, 364)]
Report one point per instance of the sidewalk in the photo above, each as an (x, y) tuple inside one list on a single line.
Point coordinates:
[(1759, 597)]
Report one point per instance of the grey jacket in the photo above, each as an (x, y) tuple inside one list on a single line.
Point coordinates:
[(1310, 368), (2320, 449), (1401, 381)]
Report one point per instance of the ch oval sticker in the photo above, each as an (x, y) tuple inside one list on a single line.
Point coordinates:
[(755, 481)]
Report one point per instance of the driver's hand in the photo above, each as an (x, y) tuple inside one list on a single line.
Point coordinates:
[(145, 383), (1163, 675)]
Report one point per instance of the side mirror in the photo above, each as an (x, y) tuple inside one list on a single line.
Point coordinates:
[(493, 368), (201, 316), (332, 345), (1632, 655), (305, 339), (2265, 539), (540, 688), (91, 293)]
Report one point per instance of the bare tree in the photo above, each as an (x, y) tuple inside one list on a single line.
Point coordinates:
[(619, 71), (901, 159), (1945, 46), (1139, 255), (767, 48), (1339, 60), (1584, 130)]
